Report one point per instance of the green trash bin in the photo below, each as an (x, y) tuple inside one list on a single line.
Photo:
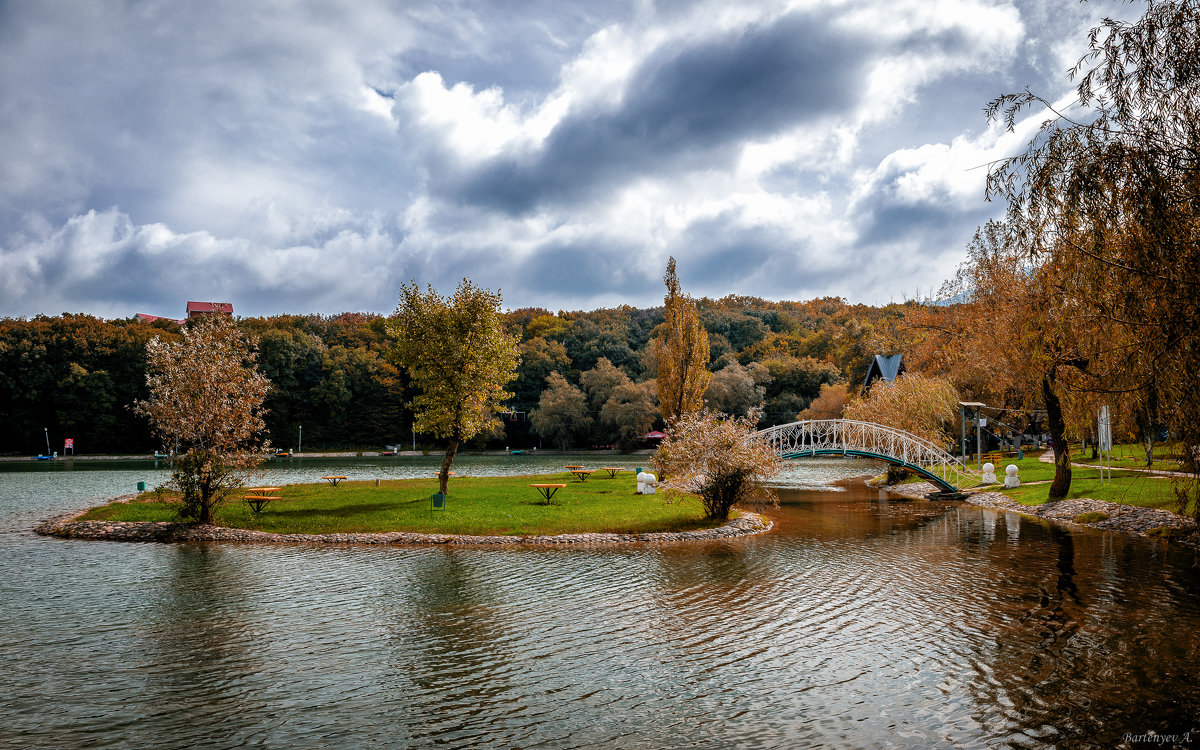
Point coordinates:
[(437, 501), (141, 486)]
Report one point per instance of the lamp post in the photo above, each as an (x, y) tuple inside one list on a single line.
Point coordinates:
[(970, 409), (47, 431), (300, 440)]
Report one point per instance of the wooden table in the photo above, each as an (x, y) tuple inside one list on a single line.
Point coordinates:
[(547, 490), (573, 467), (612, 470), (259, 497), (334, 480), (581, 473)]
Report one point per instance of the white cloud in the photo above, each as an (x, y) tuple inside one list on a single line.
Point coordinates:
[(249, 154)]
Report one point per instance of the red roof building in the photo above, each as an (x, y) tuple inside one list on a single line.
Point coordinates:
[(151, 318), (196, 309)]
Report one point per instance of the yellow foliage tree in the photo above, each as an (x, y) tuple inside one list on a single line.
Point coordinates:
[(459, 357), (681, 352), (923, 405)]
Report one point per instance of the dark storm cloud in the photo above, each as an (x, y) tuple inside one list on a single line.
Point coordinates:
[(299, 156), (689, 106)]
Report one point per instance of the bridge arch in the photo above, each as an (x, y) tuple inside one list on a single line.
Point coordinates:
[(849, 437)]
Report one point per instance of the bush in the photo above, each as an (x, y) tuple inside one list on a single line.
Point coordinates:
[(721, 460)]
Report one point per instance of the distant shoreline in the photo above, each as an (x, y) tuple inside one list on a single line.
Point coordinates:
[(345, 454)]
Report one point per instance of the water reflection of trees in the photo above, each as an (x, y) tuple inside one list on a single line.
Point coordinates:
[(1088, 642), (450, 648), (206, 660)]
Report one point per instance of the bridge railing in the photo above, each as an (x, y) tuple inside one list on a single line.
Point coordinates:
[(843, 435)]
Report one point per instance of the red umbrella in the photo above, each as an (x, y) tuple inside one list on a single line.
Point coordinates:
[(654, 435)]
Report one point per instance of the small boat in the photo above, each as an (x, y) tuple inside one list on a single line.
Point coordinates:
[(42, 458), (388, 453), (516, 453), (282, 454), (160, 455)]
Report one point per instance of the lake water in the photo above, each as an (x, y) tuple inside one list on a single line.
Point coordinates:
[(858, 622)]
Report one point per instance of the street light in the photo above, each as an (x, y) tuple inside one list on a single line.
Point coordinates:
[(47, 430), (971, 407), (300, 440)]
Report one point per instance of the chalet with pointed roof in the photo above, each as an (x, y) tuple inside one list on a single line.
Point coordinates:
[(886, 366)]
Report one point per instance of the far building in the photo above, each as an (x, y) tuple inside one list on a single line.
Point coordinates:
[(200, 309), (886, 366), (194, 310)]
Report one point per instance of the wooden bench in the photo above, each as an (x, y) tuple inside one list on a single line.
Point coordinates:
[(333, 481), (547, 490), (260, 496)]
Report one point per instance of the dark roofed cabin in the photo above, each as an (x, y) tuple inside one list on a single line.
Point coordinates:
[(889, 367)]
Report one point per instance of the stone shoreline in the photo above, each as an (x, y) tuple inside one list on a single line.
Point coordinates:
[(66, 527), (1129, 519)]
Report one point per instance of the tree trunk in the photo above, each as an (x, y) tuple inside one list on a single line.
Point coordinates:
[(447, 462), (1058, 441)]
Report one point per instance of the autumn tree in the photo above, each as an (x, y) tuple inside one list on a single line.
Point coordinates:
[(459, 357), (206, 398), (720, 459), (735, 389), (631, 410), (830, 404), (922, 405), (1109, 188), (562, 413), (681, 352), (1012, 335), (600, 381)]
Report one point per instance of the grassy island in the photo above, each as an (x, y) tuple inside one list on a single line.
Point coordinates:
[(475, 505)]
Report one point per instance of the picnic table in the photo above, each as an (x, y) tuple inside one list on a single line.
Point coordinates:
[(333, 480), (573, 467), (581, 473), (612, 470), (260, 496), (547, 490)]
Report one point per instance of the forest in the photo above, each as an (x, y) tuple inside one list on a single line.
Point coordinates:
[(75, 376)]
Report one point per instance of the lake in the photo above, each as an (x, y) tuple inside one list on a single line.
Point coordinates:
[(859, 621)]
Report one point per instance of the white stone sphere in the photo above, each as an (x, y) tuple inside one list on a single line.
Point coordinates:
[(1011, 470), (988, 468)]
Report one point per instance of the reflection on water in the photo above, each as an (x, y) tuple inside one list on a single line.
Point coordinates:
[(861, 621)]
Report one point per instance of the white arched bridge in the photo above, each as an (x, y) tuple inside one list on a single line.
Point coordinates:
[(848, 437)]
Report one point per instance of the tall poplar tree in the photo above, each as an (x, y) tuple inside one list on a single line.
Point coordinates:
[(460, 359), (682, 353)]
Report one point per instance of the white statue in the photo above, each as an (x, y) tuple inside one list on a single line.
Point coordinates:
[(1010, 478), (645, 483), (989, 474)]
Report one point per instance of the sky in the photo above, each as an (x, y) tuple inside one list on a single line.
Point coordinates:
[(295, 156)]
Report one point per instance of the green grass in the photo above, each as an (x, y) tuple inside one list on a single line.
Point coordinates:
[(1029, 468), (1126, 489), (483, 505), (1133, 456)]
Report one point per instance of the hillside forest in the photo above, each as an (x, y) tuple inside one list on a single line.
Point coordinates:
[(585, 378)]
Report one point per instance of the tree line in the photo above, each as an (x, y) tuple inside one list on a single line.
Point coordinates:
[(336, 382)]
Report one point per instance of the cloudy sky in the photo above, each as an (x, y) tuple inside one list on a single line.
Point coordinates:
[(293, 156)]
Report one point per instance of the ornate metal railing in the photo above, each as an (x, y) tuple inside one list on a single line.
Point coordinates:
[(848, 437)]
